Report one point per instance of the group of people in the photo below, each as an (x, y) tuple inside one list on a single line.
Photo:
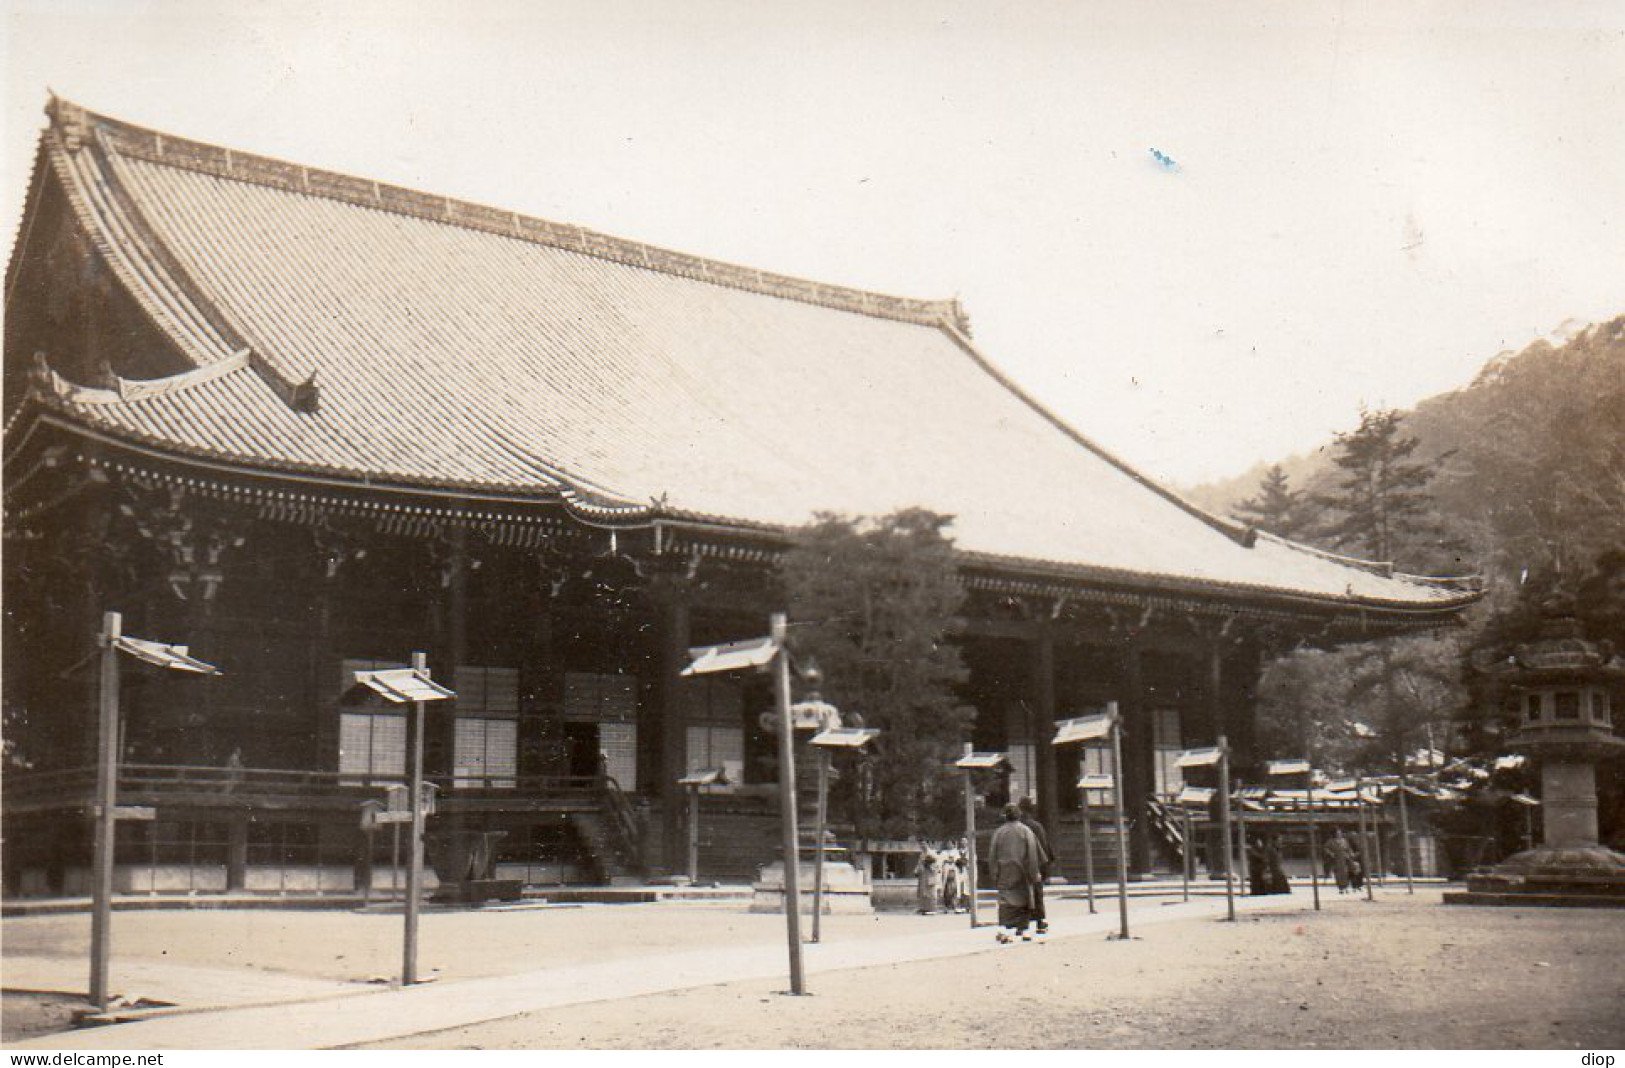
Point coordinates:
[(1343, 861), (943, 879), (1265, 873), (1019, 859)]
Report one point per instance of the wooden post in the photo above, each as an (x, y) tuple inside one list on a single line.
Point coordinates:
[(107, 761), (366, 883), (1243, 868), (1187, 859), (1405, 830), (414, 859), (970, 839), (693, 835), (1117, 812), (1224, 830), (1314, 844), (1088, 849), (1376, 822), (1365, 838), (787, 805), (818, 844)]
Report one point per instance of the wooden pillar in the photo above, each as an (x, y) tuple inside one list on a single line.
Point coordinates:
[(1043, 725), (1138, 777), (673, 657), (237, 854), (1219, 846)]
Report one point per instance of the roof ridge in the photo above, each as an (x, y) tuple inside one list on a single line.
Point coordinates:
[(1236, 532), (76, 123), (1383, 568)]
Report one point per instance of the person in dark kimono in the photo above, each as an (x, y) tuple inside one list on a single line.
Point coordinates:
[(1014, 859), (950, 880), (1275, 871), (1338, 856), (1046, 856)]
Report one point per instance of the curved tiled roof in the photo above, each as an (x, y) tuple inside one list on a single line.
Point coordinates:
[(390, 336)]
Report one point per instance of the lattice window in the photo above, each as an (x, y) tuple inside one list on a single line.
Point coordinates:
[(487, 753), (619, 744), (1097, 760), (372, 745), (1166, 742), (711, 746), (483, 691), (1023, 771), (590, 698)]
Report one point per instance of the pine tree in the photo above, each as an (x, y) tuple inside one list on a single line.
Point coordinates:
[(1381, 501), (873, 602), (1277, 508)]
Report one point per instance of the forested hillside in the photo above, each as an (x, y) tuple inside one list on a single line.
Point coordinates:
[(1519, 477), (1527, 465)]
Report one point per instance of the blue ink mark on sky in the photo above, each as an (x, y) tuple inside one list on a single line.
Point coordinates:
[(1165, 161)]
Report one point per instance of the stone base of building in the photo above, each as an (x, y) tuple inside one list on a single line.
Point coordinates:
[(1550, 876), (845, 889)]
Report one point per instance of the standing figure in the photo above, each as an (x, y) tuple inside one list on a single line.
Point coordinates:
[(1338, 857), (1257, 873), (1029, 819), (951, 885), (1275, 871), (927, 885), (1015, 860)]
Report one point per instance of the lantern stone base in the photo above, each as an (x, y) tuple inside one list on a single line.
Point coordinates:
[(1585, 875), (846, 891)]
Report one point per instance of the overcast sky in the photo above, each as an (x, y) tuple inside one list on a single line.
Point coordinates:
[(1356, 203)]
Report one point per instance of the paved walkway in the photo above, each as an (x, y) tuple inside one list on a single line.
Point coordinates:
[(337, 1021)]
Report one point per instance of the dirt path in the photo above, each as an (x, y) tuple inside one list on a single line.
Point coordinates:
[(1397, 973)]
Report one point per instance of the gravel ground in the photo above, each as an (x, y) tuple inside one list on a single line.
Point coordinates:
[(1403, 972), (1399, 973), (457, 944)]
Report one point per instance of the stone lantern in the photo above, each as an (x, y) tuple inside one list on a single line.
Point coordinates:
[(1563, 690)]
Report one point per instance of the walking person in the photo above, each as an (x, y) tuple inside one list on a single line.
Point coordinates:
[(1029, 819), (1014, 858)]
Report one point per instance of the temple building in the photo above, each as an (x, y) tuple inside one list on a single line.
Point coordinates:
[(305, 423)]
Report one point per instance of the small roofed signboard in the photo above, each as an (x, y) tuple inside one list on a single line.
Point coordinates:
[(1287, 767), (1084, 728), (708, 777), (845, 737), (1096, 782), (731, 656), (1195, 796), (174, 657), (402, 685), (982, 761), (1199, 758)]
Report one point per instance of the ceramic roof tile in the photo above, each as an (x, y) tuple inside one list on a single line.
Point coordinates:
[(455, 346)]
